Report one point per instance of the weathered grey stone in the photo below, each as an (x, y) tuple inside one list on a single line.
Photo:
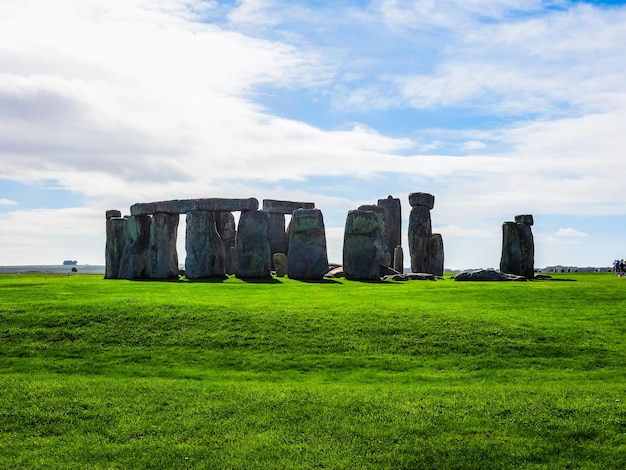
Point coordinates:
[(393, 223), (113, 213), (285, 207), (254, 258), (163, 255), (204, 246), (134, 263), (384, 256), (308, 257), (486, 275), (277, 233), (360, 253), (182, 206), (422, 200), (518, 250), (225, 224), (421, 277), (335, 272), (398, 259), (280, 262), (524, 219), (420, 233), (115, 239), (419, 222), (435, 255)]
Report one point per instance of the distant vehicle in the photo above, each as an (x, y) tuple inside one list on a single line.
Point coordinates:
[(69, 262)]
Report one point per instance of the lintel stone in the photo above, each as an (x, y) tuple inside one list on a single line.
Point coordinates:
[(183, 206), (422, 199), (524, 219), (285, 207)]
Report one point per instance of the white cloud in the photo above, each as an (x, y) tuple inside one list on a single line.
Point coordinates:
[(7, 202), (570, 232)]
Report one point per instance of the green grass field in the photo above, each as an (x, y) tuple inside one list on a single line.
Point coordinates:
[(99, 374)]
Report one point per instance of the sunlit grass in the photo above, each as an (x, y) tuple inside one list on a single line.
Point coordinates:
[(287, 374)]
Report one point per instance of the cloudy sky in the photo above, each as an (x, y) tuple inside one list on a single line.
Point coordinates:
[(497, 108)]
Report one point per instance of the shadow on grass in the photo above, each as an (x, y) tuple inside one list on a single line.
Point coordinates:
[(543, 277), (259, 280), (320, 281)]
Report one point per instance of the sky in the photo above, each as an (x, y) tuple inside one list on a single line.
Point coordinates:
[(497, 108)]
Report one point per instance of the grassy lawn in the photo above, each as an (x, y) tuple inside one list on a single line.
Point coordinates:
[(99, 374)]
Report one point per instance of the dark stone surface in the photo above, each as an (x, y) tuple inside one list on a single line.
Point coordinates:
[(112, 214), (115, 239), (384, 256), (398, 259), (225, 224), (280, 262), (524, 219), (360, 254), (134, 263), (422, 200), (420, 233), (393, 223), (487, 275), (518, 250), (254, 259), (277, 233), (163, 257), (183, 206), (274, 206), (204, 246), (308, 257), (435, 255)]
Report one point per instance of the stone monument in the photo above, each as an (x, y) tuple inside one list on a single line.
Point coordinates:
[(425, 248), (360, 251), (518, 247), (308, 257)]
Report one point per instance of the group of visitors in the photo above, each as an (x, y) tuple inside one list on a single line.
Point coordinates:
[(619, 267)]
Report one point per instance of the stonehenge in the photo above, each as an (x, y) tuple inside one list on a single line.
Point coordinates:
[(518, 247), (143, 244)]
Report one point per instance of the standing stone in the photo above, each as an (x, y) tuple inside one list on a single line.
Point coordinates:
[(393, 223), (277, 233), (204, 246), (384, 256), (435, 255), (163, 255), (280, 264), (114, 250), (420, 232), (308, 257), (360, 254), (518, 248), (135, 261), (254, 258), (398, 259), (225, 223)]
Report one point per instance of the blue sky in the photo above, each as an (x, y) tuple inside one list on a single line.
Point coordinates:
[(497, 108)]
